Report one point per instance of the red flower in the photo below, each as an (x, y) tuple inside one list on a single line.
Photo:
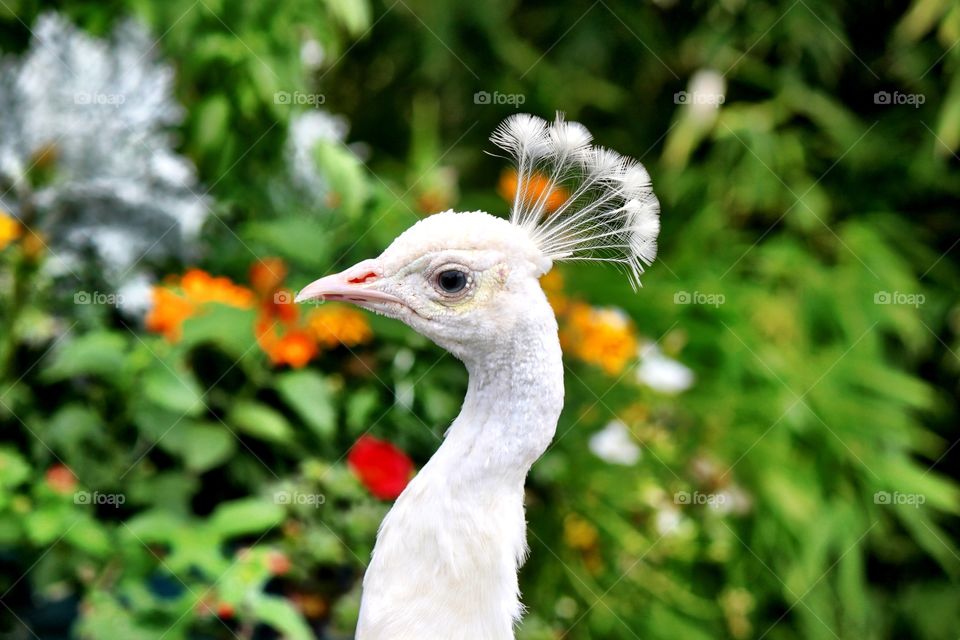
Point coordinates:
[(380, 466), (278, 563), (61, 479)]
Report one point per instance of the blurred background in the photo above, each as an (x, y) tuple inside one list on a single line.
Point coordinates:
[(761, 443)]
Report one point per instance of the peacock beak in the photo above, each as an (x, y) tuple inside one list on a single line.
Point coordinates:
[(357, 284)]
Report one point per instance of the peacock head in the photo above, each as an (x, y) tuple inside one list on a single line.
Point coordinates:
[(465, 279)]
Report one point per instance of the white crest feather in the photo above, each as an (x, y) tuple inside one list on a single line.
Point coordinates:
[(578, 201)]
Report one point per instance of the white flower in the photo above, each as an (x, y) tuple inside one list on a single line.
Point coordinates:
[(667, 521), (614, 444), (100, 112), (311, 54), (135, 296), (662, 373), (705, 93), (307, 130)]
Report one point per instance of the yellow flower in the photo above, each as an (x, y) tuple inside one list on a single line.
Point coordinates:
[(9, 229), (578, 533), (335, 325), (599, 336)]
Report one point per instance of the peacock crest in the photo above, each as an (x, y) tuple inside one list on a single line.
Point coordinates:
[(578, 201)]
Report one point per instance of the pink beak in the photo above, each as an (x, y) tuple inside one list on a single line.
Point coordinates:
[(356, 284)]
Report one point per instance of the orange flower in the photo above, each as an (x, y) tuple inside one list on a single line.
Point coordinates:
[(286, 337), (9, 229), (201, 287), (168, 312), (279, 331), (599, 336), (334, 325), (267, 275), (295, 348), (537, 185), (552, 285), (196, 289), (279, 304)]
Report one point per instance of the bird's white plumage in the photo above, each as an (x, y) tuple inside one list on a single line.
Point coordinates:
[(447, 555), (446, 559), (608, 211)]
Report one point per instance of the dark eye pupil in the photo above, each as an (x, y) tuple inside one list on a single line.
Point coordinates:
[(452, 280)]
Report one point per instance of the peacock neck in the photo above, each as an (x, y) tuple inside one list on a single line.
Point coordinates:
[(447, 555), (514, 398)]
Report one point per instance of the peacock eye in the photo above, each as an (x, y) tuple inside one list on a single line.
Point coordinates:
[(452, 281)]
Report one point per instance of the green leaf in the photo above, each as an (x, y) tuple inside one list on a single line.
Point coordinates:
[(360, 407), (229, 328), (202, 445), (13, 468), (260, 421), (48, 524), (177, 391), (155, 525), (246, 516), (310, 395), (90, 536), (211, 122), (345, 173), (71, 425), (98, 353), (280, 614), (301, 239), (354, 15)]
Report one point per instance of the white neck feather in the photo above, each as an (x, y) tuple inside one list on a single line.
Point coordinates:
[(446, 560)]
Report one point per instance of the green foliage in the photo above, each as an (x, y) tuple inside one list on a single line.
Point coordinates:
[(799, 489)]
